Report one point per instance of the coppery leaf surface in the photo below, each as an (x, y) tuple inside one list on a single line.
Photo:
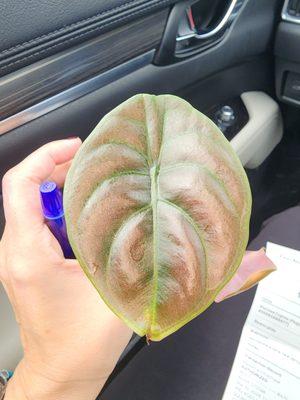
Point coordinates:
[(157, 207)]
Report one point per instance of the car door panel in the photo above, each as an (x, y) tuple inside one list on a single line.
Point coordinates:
[(32, 30), (46, 78)]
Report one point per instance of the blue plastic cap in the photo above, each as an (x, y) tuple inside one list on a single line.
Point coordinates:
[(52, 201)]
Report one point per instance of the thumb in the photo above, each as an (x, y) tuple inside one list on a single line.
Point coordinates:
[(254, 267)]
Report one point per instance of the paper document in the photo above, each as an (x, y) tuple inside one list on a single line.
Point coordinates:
[(267, 363)]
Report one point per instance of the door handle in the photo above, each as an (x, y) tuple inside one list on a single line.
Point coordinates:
[(194, 26), (215, 30)]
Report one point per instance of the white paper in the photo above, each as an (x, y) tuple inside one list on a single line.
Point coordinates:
[(267, 363)]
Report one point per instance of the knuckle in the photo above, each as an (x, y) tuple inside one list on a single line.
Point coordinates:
[(8, 178), (3, 275), (21, 275), (5, 180), (14, 269), (2, 262)]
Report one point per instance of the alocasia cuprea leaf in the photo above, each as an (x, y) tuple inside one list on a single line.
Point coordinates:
[(157, 206)]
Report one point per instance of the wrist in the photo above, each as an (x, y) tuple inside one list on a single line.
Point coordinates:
[(27, 385)]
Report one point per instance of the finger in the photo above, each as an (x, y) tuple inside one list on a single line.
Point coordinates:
[(59, 174), (254, 267), (21, 197), (39, 165)]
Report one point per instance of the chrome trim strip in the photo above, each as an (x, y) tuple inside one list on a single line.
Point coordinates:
[(215, 30), (286, 16), (75, 92), (290, 100)]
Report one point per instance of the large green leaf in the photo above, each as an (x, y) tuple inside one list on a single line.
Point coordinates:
[(157, 207)]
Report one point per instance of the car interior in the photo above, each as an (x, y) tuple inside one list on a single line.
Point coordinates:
[(65, 64)]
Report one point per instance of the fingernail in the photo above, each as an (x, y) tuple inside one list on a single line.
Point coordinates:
[(73, 137)]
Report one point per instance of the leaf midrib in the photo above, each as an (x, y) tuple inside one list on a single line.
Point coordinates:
[(154, 199)]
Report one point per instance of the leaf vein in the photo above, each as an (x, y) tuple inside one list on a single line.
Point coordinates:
[(212, 174), (196, 228)]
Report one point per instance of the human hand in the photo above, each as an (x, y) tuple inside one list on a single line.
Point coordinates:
[(71, 340)]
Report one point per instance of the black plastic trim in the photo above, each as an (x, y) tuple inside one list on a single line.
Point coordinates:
[(287, 53), (287, 41), (166, 51)]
